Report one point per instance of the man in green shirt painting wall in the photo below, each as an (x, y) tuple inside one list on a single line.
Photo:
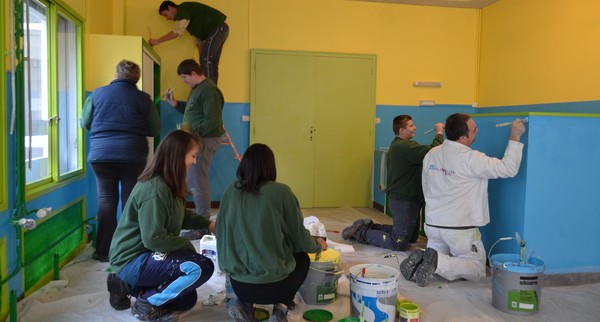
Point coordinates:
[(404, 166), (205, 23)]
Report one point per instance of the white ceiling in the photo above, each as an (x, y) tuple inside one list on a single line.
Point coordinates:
[(441, 3)]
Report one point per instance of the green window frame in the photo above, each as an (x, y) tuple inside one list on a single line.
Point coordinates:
[(51, 70), (3, 98)]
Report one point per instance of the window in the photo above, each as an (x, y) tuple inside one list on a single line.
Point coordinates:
[(36, 99), (52, 93), (68, 97)]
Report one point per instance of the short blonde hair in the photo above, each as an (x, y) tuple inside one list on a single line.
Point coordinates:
[(128, 70)]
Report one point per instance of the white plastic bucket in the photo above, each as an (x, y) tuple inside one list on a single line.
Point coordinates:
[(373, 292), (320, 285)]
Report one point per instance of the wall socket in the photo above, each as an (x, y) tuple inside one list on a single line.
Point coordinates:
[(426, 103)]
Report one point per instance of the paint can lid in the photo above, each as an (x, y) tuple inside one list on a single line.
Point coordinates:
[(350, 319), (318, 315), (261, 314)]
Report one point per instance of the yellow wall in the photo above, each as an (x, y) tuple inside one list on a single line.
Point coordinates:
[(412, 43), (540, 51), (142, 19)]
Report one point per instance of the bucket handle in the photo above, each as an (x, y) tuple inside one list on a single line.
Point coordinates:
[(340, 272), (491, 248)]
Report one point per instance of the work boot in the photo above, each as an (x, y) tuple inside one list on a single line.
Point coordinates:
[(350, 231), (144, 311), (241, 311), (279, 313), (120, 293), (409, 266), (427, 267)]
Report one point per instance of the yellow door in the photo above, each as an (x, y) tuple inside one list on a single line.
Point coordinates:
[(316, 111), (344, 140), (282, 116)]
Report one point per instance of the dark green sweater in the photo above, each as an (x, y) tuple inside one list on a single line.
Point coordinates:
[(404, 167), (204, 109), (151, 221), (257, 234), (203, 19)]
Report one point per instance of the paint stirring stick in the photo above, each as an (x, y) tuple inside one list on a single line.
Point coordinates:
[(509, 123), (428, 131)]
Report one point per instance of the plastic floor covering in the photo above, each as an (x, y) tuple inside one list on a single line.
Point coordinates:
[(81, 295)]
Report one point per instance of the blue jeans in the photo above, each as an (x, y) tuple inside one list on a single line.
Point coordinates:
[(109, 175), (210, 52), (404, 230), (171, 279), (197, 175)]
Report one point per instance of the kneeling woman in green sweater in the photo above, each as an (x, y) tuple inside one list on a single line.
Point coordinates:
[(148, 258), (262, 243)]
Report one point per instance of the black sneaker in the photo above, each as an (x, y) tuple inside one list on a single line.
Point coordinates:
[(427, 268), (99, 257), (144, 311), (409, 266), (120, 293), (350, 231)]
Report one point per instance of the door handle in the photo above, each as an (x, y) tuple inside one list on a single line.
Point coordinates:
[(55, 117)]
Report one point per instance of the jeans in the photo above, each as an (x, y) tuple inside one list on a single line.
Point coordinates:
[(171, 279), (197, 175), (404, 230), (210, 52), (108, 176)]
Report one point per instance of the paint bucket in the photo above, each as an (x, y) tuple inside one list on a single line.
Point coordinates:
[(409, 312), (516, 287), (373, 292), (320, 285)]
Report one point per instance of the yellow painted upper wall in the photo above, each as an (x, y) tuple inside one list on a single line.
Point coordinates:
[(99, 17), (142, 19), (412, 43), (78, 5), (540, 51)]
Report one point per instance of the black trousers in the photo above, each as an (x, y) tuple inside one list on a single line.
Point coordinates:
[(277, 292), (108, 177)]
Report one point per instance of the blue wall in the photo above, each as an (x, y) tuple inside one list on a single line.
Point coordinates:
[(551, 202), (224, 164)]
